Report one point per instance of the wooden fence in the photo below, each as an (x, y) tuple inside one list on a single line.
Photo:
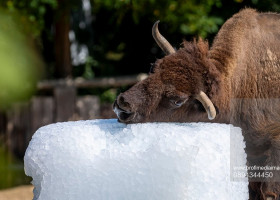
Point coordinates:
[(19, 124)]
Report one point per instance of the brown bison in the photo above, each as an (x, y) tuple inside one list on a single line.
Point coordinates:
[(236, 81)]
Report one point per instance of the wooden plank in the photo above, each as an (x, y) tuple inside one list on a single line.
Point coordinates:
[(95, 83), (24, 129), (42, 113), (24, 119), (88, 107), (17, 128), (64, 97)]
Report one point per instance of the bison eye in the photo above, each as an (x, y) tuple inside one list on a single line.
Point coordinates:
[(178, 102)]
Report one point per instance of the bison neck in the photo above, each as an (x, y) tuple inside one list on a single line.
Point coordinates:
[(231, 42), (246, 53)]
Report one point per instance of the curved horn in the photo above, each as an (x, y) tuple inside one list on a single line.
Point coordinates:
[(161, 41), (207, 104)]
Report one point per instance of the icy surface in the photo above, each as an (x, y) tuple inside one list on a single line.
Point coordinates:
[(107, 160)]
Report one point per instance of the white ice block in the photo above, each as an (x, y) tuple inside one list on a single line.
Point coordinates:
[(107, 160)]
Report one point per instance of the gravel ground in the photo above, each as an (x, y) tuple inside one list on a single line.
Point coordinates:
[(24, 192)]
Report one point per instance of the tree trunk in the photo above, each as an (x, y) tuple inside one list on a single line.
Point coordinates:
[(63, 67)]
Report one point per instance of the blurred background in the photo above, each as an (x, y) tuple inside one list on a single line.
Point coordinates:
[(63, 60)]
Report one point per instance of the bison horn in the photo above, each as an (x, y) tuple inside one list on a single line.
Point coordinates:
[(161, 41), (207, 104)]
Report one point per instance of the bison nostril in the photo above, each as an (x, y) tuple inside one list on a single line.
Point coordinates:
[(123, 104), (123, 115)]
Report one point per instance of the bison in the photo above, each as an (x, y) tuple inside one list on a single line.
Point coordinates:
[(236, 81)]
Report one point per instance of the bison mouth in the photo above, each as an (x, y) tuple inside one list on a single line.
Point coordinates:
[(123, 115)]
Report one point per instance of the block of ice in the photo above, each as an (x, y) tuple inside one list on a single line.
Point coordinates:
[(107, 160)]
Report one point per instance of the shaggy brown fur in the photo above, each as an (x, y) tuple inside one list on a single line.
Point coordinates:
[(241, 76)]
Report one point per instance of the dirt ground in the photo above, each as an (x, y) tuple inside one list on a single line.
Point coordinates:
[(24, 192)]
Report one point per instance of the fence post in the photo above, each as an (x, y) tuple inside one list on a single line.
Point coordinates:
[(88, 107), (17, 127), (42, 113), (64, 98)]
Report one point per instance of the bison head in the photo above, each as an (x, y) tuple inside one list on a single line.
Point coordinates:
[(175, 89)]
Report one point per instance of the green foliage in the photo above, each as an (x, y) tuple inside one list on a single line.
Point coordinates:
[(32, 13), (11, 170), (192, 16), (267, 5), (108, 96), (89, 65), (20, 64)]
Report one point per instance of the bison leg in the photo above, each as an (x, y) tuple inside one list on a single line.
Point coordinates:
[(270, 188), (264, 153)]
